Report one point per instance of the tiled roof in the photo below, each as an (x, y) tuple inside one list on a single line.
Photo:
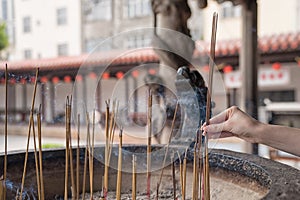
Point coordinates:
[(266, 44)]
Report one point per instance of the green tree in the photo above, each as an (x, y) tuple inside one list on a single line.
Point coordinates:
[(3, 37)]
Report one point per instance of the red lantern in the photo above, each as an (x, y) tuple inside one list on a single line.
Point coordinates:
[(78, 78), (227, 69), (152, 71), (12, 81), (119, 75), (23, 80), (32, 79), (206, 68), (44, 79), (105, 75), (67, 79), (276, 66), (93, 75), (55, 79), (135, 73)]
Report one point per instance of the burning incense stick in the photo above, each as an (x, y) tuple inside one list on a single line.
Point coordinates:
[(77, 157), (119, 177), (208, 103), (39, 123), (28, 135), (167, 148), (149, 142), (5, 132), (133, 177), (106, 148)]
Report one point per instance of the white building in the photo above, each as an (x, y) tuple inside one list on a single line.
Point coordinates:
[(45, 29)]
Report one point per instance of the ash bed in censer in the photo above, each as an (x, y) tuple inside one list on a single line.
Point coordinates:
[(233, 175)]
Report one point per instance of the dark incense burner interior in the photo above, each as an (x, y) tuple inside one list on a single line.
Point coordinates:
[(233, 175)]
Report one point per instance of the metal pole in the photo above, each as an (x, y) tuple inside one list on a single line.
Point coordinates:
[(249, 62)]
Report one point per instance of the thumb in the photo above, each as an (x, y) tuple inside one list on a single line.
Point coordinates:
[(214, 128)]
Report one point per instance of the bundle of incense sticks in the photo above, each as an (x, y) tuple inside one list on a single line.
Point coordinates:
[(30, 126), (110, 126)]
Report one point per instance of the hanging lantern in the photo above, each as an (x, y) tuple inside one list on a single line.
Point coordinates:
[(32, 79), (12, 81), (44, 79), (206, 68), (152, 71), (93, 75), (119, 75), (105, 75), (23, 81), (67, 79), (227, 69), (135, 73), (78, 78), (55, 79), (276, 66)]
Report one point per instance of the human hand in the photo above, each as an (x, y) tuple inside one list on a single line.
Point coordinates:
[(232, 122)]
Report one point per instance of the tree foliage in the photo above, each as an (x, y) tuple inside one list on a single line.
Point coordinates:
[(3, 37)]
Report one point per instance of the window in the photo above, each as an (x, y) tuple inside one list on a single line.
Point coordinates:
[(229, 10), (92, 43), (61, 16), (137, 8), (26, 24), (62, 49), (137, 41), (27, 54), (102, 10), (4, 10)]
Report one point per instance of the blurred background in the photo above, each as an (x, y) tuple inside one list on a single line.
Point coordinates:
[(59, 35)]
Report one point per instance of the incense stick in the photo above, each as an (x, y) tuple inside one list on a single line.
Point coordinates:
[(91, 156), (167, 148), (28, 135), (106, 148), (195, 173), (133, 177), (208, 103), (39, 123), (173, 177), (77, 157), (5, 132), (180, 172), (68, 124), (85, 157), (36, 159), (149, 142), (184, 175), (66, 151), (119, 176)]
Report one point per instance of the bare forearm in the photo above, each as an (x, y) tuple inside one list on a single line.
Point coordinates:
[(280, 137)]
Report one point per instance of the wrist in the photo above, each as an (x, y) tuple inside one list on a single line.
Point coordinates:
[(258, 132)]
